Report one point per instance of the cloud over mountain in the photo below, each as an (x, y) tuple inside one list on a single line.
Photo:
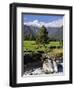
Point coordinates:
[(55, 23)]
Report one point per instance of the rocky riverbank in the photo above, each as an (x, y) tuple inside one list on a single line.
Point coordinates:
[(44, 65)]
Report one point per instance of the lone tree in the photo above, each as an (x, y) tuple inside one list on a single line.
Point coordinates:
[(42, 37)]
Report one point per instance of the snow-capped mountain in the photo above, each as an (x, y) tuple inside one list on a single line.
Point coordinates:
[(55, 23), (54, 28)]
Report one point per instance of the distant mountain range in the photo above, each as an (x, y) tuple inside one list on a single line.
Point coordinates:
[(54, 33), (37, 23)]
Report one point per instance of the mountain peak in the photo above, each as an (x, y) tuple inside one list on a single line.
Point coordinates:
[(55, 23)]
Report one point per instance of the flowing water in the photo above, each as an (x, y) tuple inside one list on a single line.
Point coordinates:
[(48, 67)]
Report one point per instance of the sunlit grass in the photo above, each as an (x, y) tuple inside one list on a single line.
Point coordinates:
[(32, 46), (56, 52)]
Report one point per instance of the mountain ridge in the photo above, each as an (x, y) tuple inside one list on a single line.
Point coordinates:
[(54, 33)]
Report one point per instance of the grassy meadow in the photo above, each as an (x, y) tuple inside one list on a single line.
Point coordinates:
[(53, 48)]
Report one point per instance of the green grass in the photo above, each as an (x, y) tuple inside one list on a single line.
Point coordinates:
[(32, 46), (52, 52), (54, 43)]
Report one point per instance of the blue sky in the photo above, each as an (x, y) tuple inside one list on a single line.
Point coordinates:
[(41, 18)]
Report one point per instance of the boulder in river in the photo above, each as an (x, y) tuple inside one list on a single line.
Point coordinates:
[(55, 66), (48, 66)]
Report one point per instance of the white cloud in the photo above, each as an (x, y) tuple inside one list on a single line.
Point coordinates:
[(35, 21), (55, 23)]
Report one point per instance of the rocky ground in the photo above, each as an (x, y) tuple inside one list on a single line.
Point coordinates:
[(48, 66)]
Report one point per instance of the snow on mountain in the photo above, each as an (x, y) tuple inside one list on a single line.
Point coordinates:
[(55, 23)]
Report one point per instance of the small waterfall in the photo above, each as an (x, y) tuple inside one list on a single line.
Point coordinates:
[(55, 66), (46, 66)]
